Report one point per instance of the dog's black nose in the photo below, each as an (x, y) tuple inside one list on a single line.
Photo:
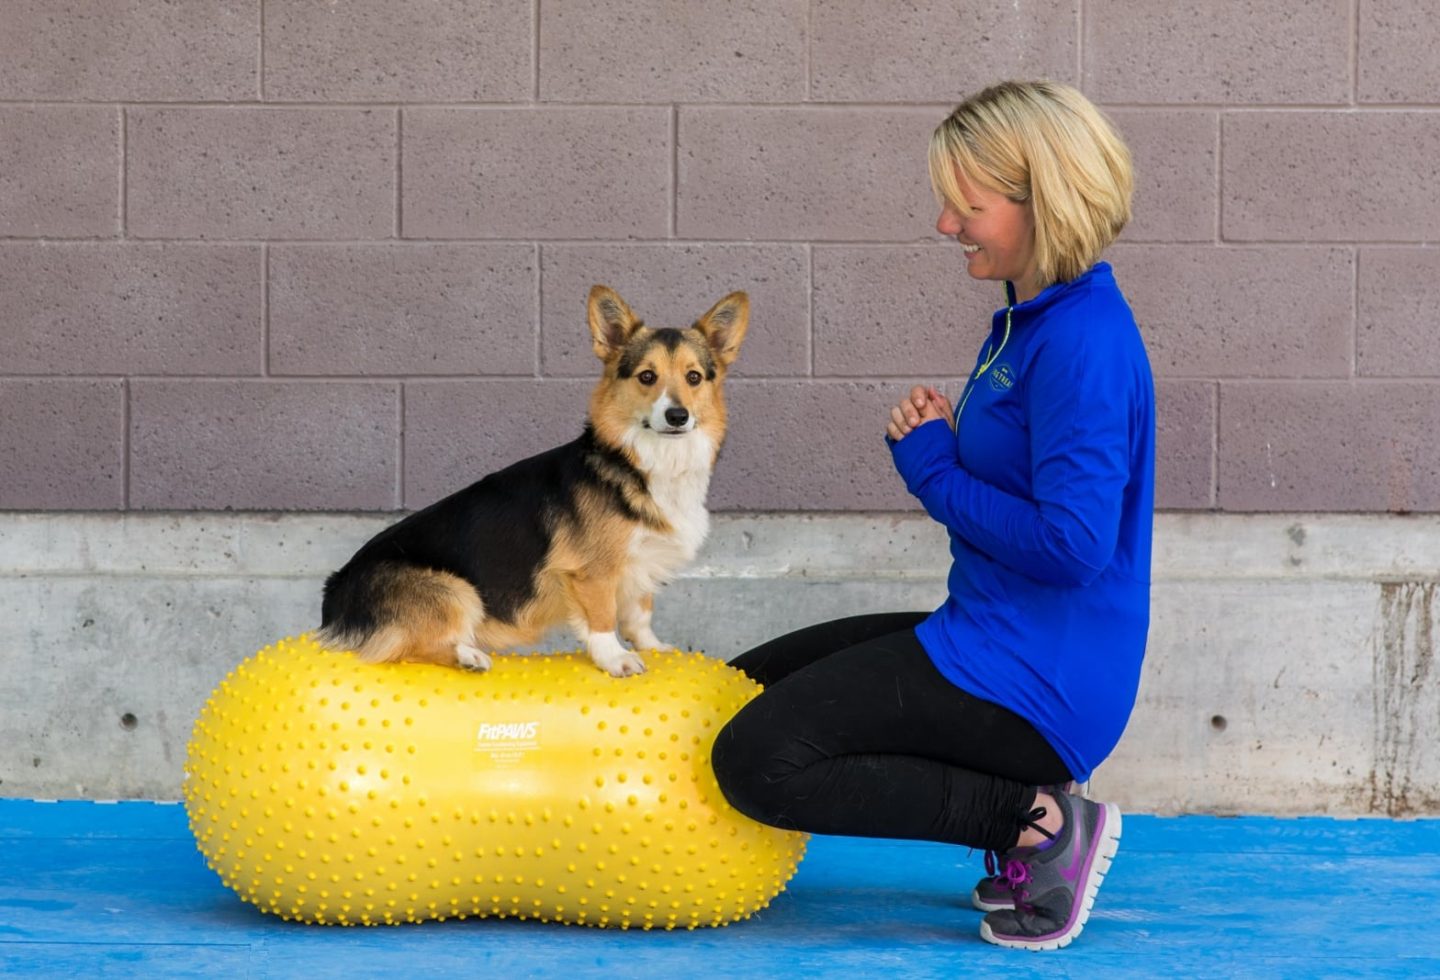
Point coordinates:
[(676, 417)]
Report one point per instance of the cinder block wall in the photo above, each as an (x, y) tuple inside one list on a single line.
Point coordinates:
[(332, 254)]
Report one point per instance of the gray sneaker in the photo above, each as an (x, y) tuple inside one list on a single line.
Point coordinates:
[(1055, 889), (993, 892)]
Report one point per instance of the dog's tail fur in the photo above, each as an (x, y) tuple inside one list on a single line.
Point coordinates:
[(391, 611)]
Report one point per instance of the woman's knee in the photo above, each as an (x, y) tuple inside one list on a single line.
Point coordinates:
[(750, 768)]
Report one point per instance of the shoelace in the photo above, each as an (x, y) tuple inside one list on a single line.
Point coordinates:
[(1014, 872), (1016, 875)]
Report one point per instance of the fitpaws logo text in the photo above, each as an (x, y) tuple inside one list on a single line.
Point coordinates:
[(522, 731), (504, 744)]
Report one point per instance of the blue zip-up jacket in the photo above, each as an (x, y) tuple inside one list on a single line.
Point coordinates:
[(1047, 489)]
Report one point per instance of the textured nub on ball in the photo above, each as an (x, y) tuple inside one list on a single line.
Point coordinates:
[(327, 790)]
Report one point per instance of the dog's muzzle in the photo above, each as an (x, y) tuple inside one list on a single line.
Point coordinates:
[(670, 420)]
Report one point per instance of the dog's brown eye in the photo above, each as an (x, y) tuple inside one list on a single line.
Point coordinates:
[(646, 378), (694, 378)]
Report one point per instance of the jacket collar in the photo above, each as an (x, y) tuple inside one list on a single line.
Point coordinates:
[(1097, 274)]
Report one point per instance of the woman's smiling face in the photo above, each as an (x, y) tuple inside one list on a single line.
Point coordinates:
[(998, 236)]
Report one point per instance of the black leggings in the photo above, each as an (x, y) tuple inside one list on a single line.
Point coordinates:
[(857, 733)]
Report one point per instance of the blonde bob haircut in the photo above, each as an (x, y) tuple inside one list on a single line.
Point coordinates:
[(1046, 144)]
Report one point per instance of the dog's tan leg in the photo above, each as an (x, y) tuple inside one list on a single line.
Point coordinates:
[(635, 615), (593, 609)]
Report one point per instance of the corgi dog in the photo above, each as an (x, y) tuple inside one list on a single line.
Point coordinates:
[(583, 534)]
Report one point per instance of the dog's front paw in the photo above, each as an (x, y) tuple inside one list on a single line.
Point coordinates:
[(472, 658), (613, 658), (625, 665)]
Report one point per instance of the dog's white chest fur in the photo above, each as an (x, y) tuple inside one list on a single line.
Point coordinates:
[(678, 473)]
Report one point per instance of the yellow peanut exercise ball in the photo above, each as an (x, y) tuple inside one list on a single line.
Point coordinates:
[(332, 791)]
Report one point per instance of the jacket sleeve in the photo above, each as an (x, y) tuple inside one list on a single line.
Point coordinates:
[(1079, 459)]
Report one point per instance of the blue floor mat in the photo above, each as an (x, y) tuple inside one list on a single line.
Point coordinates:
[(94, 889)]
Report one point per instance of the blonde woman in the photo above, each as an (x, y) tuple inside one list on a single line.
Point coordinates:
[(962, 725)]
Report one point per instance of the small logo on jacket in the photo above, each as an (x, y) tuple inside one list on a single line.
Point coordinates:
[(1002, 378)]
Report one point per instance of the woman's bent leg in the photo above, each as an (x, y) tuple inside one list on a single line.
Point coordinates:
[(777, 659), (873, 741)]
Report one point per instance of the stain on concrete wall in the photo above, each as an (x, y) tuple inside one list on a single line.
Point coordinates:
[(1407, 702)]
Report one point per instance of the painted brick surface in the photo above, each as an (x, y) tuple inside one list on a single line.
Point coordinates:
[(1340, 177), (536, 173), (247, 445), (809, 445), (1176, 157), (261, 173), (833, 434), (1399, 313), (1226, 51), (911, 312), (62, 443), (78, 308), (459, 431), (402, 309), (1184, 445), (936, 50), (1337, 446), (671, 286), (664, 51), (795, 174), (1396, 51), (379, 51), (379, 222), (128, 51), (1269, 312), (59, 171)]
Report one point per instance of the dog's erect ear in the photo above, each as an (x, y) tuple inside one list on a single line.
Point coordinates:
[(612, 323), (724, 326)]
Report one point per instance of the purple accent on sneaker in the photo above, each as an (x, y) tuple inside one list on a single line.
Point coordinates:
[(1071, 874), (1073, 871)]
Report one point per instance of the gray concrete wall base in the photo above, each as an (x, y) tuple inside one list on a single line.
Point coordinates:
[(1291, 666)]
